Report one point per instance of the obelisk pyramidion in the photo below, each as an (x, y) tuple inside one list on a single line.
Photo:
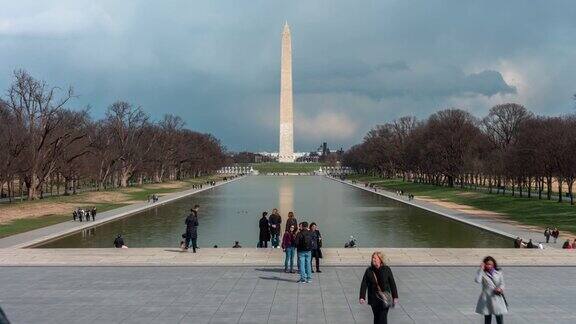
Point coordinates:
[(286, 151)]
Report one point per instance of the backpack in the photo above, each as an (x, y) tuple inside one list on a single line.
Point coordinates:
[(307, 241)]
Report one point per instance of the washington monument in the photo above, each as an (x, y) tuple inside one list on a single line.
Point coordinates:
[(286, 151)]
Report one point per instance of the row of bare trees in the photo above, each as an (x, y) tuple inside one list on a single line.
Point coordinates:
[(509, 149), (46, 145)]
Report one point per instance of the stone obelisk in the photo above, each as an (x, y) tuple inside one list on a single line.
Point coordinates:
[(286, 151)]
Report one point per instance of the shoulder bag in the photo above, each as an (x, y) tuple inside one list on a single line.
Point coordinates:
[(384, 297)]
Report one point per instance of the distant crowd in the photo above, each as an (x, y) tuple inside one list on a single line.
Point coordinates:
[(549, 234), (81, 214)]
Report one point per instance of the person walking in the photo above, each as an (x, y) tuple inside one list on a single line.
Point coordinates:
[(547, 234), (74, 215), (94, 213), (80, 214), (378, 280), (316, 246), (304, 245), (491, 300), (291, 220), (275, 221), (289, 245), (264, 226), (192, 229)]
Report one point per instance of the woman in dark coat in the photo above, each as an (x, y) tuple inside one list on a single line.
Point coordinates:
[(316, 251), (264, 231), (386, 282)]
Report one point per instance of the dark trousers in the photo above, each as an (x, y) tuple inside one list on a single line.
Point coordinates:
[(499, 319), (317, 263), (275, 240), (380, 314), (190, 241), (263, 244)]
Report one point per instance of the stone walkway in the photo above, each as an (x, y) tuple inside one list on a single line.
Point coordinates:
[(275, 257), (33, 237), (495, 225), (266, 295)]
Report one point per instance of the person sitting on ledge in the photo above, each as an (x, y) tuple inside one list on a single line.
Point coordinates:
[(517, 242), (119, 242), (236, 245), (351, 243), (567, 245)]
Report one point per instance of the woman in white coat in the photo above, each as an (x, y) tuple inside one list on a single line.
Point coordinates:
[(491, 300)]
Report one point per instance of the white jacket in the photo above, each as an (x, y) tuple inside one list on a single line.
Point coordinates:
[(489, 303)]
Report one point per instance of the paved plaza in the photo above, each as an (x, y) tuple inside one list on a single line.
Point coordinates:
[(267, 295)]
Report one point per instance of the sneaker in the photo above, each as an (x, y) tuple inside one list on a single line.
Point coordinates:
[(301, 281), (309, 281), (318, 271)]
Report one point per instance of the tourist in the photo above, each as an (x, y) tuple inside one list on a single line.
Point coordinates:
[(236, 245), (80, 214), (530, 245), (547, 234), (74, 215), (382, 293), (291, 221), (289, 246), (304, 244), (264, 236), (119, 242), (567, 245), (275, 221), (192, 229), (351, 243), (555, 234), (517, 242), (94, 213), (316, 245), (491, 300), (574, 244)]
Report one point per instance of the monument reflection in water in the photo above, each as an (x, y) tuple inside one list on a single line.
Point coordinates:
[(231, 212)]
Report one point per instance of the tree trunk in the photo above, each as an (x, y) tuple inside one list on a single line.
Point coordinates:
[(560, 189)]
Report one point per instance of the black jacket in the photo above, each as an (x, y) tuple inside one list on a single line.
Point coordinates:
[(291, 221), (385, 279), (275, 219), (264, 229), (301, 238), (192, 224)]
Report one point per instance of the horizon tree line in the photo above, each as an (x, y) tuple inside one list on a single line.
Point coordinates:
[(46, 145), (510, 149)]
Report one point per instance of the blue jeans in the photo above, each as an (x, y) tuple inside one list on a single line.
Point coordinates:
[(305, 258), (289, 258)]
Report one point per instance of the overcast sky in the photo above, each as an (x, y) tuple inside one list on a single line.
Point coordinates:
[(356, 64)]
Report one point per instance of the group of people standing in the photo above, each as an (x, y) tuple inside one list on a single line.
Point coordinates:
[(301, 239), (82, 214)]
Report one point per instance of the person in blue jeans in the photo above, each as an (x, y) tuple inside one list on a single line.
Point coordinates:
[(289, 247), (304, 244)]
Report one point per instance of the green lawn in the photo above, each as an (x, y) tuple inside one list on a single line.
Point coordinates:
[(277, 167), (132, 194), (528, 211)]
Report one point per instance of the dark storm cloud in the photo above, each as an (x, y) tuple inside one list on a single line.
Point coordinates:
[(356, 64)]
